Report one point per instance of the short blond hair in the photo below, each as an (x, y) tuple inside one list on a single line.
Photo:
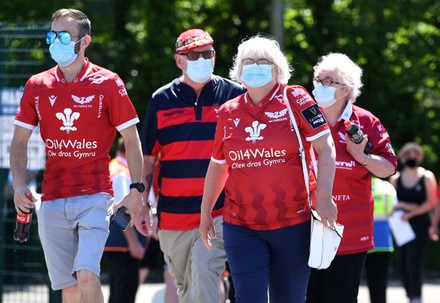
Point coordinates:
[(262, 48)]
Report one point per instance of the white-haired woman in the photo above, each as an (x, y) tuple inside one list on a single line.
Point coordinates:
[(338, 82), (266, 214)]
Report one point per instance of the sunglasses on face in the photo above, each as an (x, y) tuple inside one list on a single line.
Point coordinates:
[(64, 37), (194, 56)]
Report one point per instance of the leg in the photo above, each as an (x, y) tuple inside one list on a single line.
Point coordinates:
[(71, 294), (376, 266), (90, 218), (339, 283), (170, 288), (176, 247), (289, 271), (90, 287), (124, 275), (207, 266), (249, 258)]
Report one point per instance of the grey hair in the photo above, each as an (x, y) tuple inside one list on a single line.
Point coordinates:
[(259, 47), (348, 72)]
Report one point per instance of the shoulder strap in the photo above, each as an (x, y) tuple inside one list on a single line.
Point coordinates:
[(301, 147)]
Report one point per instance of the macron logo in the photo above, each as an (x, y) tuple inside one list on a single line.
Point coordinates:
[(254, 131), (68, 117)]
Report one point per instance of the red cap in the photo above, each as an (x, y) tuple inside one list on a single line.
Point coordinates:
[(193, 38)]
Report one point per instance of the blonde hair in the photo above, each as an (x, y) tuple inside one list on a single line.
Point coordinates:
[(261, 48)]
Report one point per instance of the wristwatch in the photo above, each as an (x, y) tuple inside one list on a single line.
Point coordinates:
[(139, 186)]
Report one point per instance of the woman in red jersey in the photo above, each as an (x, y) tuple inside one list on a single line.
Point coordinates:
[(266, 216), (337, 81)]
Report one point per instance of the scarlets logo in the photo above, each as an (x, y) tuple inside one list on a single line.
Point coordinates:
[(83, 100)]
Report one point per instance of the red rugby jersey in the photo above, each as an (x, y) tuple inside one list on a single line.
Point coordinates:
[(265, 189), (352, 187), (78, 122)]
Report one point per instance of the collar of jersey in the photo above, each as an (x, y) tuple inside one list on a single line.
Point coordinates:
[(269, 97)]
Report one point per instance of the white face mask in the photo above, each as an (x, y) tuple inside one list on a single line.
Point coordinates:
[(324, 96), (200, 70)]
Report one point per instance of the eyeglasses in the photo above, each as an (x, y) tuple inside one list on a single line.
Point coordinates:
[(64, 37), (256, 61), (327, 82), (194, 56)]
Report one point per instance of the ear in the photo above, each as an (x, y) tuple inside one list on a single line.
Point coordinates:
[(179, 61), (87, 40)]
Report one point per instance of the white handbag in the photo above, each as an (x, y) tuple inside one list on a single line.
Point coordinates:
[(324, 241)]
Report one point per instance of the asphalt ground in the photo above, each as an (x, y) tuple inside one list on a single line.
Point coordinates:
[(153, 292)]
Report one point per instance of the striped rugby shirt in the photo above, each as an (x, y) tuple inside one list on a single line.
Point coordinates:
[(179, 129)]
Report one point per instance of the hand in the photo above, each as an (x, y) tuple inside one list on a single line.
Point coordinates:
[(207, 231), (433, 232), (137, 250), (356, 150), (139, 212), (154, 228), (23, 200), (328, 213)]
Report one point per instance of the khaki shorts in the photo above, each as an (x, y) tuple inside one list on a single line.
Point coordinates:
[(73, 232)]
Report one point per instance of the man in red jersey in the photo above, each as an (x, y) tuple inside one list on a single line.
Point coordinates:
[(78, 107), (179, 128)]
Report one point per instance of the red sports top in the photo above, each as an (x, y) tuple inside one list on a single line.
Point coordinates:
[(78, 122), (265, 189), (352, 187)]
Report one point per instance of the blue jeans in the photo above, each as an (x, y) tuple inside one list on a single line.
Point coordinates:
[(274, 260)]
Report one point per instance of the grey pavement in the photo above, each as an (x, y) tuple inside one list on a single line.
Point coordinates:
[(153, 293)]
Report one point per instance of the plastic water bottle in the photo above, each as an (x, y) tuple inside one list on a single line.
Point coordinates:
[(357, 135), (23, 224)]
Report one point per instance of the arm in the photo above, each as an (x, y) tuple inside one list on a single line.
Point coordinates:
[(325, 206), (135, 247), (215, 181), (133, 201), (376, 164), (18, 163), (433, 230)]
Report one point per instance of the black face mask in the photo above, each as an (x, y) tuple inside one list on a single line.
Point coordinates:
[(411, 162)]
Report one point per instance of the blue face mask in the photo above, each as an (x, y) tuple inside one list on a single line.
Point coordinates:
[(255, 75), (324, 96), (63, 54), (200, 70)]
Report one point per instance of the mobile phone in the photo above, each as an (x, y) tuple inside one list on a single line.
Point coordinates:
[(122, 218)]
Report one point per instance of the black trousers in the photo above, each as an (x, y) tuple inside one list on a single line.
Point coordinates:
[(124, 277), (411, 263), (376, 269), (339, 283)]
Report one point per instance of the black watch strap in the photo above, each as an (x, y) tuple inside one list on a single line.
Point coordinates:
[(139, 186)]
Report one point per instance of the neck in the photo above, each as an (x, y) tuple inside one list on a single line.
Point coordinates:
[(334, 112), (196, 86), (72, 70), (257, 94)]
